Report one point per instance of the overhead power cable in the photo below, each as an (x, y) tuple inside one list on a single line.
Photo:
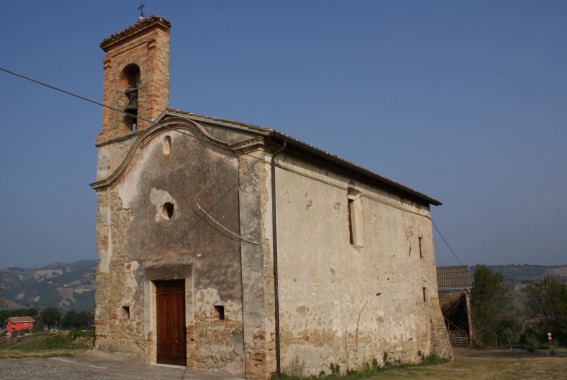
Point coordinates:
[(446, 242), (226, 229), (153, 123), (70, 93)]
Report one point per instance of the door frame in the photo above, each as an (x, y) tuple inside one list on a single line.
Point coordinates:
[(182, 272)]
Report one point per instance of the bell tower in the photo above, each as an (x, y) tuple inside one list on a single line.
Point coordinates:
[(136, 77)]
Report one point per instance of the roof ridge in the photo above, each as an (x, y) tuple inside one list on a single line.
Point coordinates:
[(277, 135)]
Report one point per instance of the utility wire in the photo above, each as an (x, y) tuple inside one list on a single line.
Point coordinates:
[(107, 106), (447, 243), (72, 94), (152, 123), (226, 229)]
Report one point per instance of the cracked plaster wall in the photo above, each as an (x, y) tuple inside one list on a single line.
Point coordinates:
[(134, 239), (338, 303), (344, 304)]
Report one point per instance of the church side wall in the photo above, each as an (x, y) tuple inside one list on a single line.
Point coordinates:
[(349, 303)]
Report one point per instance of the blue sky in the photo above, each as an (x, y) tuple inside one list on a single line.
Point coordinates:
[(465, 101)]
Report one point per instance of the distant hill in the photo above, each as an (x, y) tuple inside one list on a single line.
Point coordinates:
[(525, 274), (70, 286), (67, 286)]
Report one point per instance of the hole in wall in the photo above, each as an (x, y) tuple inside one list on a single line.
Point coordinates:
[(220, 311), (126, 312), (167, 210)]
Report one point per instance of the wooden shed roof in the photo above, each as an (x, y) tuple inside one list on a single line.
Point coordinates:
[(20, 319), (454, 277)]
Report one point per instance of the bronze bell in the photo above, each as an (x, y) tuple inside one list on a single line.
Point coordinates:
[(132, 107)]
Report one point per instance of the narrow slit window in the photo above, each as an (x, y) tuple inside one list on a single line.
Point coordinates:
[(350, 222), (420, 248), (220, 311), (355, 219), (424, 294)]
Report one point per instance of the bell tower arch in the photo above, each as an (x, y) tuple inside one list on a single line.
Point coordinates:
[(136, 77)]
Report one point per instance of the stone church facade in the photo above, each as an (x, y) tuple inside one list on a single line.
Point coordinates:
[(238, 249)]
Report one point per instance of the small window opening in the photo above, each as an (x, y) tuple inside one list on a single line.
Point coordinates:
[(350, 224), (355, 220), (220, 311), (126, 312), (167, 210), (424, 294), (420, 249), (167, 146)]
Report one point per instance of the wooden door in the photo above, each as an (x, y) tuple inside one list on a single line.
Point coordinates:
[(170, 305)]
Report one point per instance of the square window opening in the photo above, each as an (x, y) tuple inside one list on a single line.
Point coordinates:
[(126, 312), (220, 311)]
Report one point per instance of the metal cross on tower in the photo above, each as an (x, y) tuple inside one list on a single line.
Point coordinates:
[(141, 8)]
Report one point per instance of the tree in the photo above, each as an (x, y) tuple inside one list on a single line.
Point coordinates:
[(80, 320), (2, 300), (493, 319), (84, 319), (69, 319), (547, 302), (51, 317)]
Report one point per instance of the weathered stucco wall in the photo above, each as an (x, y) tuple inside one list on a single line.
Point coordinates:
[(139, 242), (257, 268), (344, 304), (341, 301)]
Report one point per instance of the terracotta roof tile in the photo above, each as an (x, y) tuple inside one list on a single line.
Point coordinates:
[(138, 26)]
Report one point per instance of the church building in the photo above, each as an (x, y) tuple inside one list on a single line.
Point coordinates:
[(240, 250)]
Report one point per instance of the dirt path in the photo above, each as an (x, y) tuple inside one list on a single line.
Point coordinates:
[(93, 365)]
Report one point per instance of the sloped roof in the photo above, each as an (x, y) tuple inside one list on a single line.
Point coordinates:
[(312, 150), (20, 319), (454, 277)]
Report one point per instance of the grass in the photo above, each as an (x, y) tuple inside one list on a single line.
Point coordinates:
[(471, 364), (487, 364), (44, 344), (369, 370), (14, 354)]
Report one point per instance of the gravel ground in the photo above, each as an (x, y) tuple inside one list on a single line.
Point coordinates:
[(93, 365)]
